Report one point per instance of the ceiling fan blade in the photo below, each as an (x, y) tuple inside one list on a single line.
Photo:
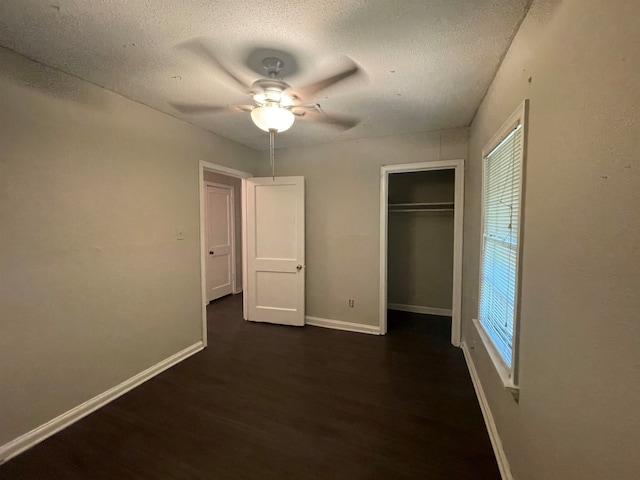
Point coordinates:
[(308, 91), (201, 109), (341, 123), (306, 106), (196, 47)]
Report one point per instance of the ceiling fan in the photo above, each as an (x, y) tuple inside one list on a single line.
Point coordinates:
[(276, 104)]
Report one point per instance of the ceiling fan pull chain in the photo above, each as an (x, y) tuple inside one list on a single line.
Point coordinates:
[(272, 135)]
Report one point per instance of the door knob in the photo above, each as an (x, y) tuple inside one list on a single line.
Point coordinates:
[(211, 252), (299, 267)]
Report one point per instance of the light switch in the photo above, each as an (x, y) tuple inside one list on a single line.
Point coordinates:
[(179, 233)]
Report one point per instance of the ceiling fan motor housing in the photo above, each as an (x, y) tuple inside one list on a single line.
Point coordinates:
[(271, 91)]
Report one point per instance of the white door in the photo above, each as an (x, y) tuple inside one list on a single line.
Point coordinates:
[(219, 240), (275, 250)]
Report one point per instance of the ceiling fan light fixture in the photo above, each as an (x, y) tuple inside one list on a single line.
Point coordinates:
[(272, 117)]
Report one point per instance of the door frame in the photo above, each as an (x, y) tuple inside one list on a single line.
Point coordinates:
[(232, 228), (385, 171), (230, 172)]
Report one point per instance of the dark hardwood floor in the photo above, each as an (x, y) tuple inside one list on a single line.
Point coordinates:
[(274, 402)]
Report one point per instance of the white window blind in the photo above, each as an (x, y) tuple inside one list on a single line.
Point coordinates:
[(501, 220)]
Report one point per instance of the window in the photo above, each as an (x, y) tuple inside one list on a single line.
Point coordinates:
[(502, 165)]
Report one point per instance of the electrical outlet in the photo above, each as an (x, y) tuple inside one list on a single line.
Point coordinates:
[(179, 233)]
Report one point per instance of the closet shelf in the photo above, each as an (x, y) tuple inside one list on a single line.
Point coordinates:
[(421, 207)]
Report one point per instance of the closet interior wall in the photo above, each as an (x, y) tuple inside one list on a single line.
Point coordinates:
[(420, 241)]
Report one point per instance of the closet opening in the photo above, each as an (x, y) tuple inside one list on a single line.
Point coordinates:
[(421, 247)]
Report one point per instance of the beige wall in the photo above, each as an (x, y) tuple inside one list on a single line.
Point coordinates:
[(92, 188), (236, 183), (579, 64), (420, 259), (420, 244), (342, 182)]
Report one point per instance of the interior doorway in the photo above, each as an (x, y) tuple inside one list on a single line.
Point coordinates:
[(222, 225), (220, 232), (421, 240)]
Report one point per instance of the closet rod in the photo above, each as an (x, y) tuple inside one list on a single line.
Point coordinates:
[(416, 204), (421, 210)]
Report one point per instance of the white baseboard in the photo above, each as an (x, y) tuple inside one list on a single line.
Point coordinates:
[(496, 443), (443, 312), (37, 435), (340, 325)]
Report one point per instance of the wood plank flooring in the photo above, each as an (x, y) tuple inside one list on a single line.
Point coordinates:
[(274, 402)]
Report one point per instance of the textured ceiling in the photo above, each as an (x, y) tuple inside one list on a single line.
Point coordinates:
[(427, 63)]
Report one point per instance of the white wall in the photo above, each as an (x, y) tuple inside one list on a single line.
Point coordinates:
[(342, 182), (92, 188), (578, 61)]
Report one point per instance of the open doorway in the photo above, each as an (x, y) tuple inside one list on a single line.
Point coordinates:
[(223, 235), (222, 226), (421, 244)]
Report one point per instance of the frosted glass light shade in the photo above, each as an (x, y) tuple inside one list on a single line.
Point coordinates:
[(272, 117)]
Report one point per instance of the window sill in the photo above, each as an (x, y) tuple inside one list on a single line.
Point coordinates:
[(503, 371)]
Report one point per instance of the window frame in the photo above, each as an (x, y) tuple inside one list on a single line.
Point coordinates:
[(508, 375)]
